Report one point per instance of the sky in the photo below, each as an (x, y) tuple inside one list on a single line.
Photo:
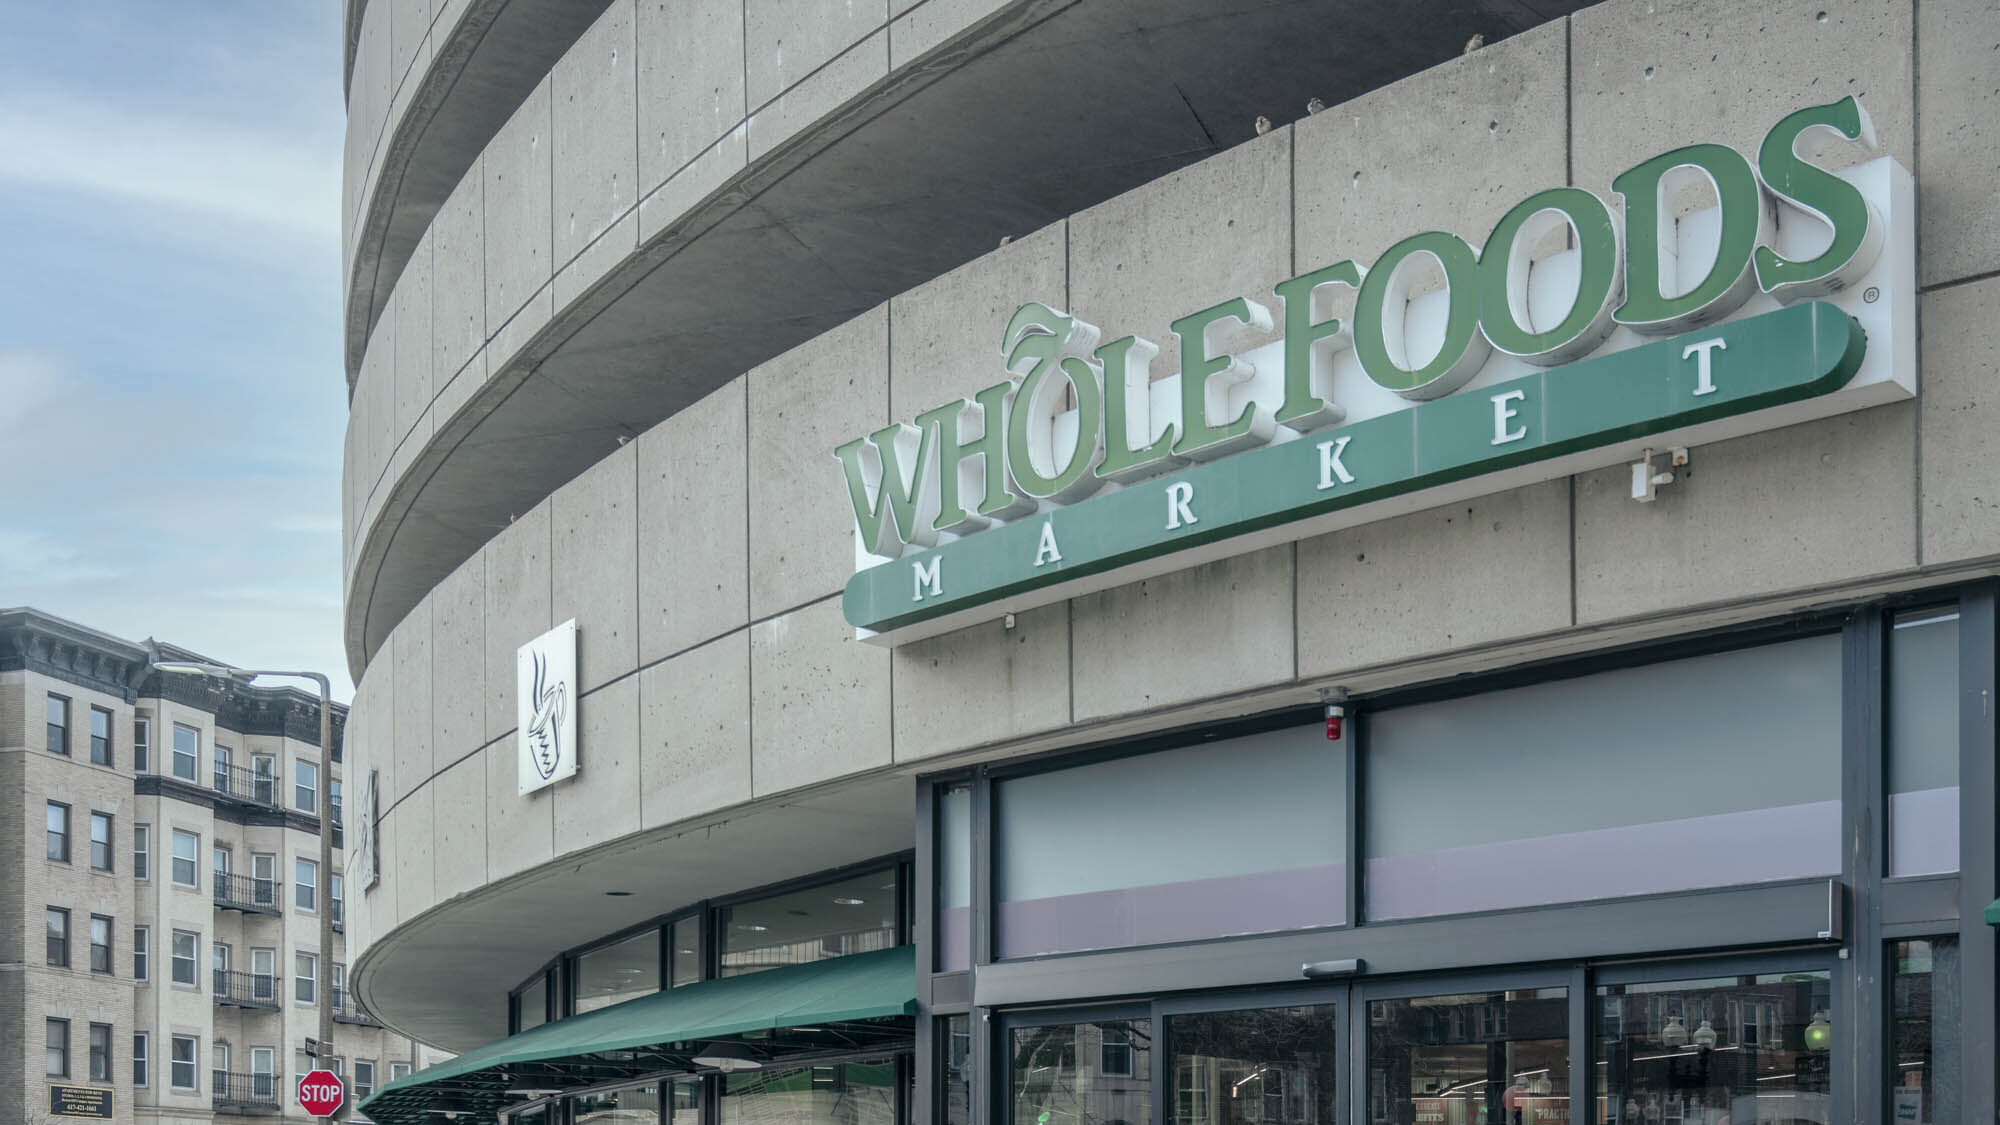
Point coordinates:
[(171, 389)]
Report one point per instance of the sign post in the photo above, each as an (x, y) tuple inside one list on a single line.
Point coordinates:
[(321, 1092)]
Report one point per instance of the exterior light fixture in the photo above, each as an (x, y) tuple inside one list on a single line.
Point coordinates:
[(1704, 1036), (1819, 1033), (727, 1056), (1675, 1034)]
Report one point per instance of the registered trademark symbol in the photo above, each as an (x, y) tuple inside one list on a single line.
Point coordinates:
[(1871, 294)]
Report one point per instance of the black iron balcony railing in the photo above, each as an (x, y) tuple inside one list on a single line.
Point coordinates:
[(255, 786), (256, 1093), (246, 893), (246, 990), (346, 1009)]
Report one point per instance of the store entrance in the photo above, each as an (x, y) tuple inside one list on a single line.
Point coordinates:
[(1483, 1056)]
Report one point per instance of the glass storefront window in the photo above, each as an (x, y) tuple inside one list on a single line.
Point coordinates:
[(1096, 1073), (622, 971), (1739, 1048), (1923, 742), (855, 915), (1471, 1059), (955, 1034), (684, 951), (1258, 1066), (1707, 771), (1232, 837), (531, 1006), (637, 1105), (1925, 1033), (954, 878), (863, 1093)]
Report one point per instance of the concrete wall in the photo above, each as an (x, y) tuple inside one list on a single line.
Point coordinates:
[(703, 561)]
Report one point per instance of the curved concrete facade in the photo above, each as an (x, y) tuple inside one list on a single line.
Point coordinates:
[(738, 733)]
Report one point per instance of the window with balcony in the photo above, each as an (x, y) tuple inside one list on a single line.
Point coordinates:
[(100, 736), (223, 760), (58, 725), (187, 751)]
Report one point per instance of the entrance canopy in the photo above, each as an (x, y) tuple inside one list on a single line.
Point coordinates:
[(825, 1008)]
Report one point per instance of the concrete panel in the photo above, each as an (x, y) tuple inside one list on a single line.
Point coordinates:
[(458, 809), (1216, 230), (1648, 76), (786, 41), (1961, 422), (373, 82), (1388, 165), (378, 405), (986, 683), (663, 209), (596, 260), (458, 239), (1789, 509), (1957, 208), (595, 145), (412, 732), (1486, 570), (529, 319), (694, 731), (381, 898), (458, 391), (819, 93), (692, 530), (819, 700), (517, 608), (520, 831), (409, 27), (820, 394), (518, 210), (690, 81), (1209, 631), (594, 578), (601, 802), (415, 878), (415, 342), (376, 701), (458, 665), (933, 23), (945, 334)]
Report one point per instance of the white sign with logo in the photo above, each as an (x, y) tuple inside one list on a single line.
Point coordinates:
[(545, 707), (364, 859)]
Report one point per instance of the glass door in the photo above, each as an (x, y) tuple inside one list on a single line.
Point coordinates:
[(1469, 1051), (1080, 1067)]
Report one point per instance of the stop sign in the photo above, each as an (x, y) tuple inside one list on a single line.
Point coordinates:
[(320, 1093)]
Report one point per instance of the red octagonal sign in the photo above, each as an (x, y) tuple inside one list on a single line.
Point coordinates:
[(320, 1093)]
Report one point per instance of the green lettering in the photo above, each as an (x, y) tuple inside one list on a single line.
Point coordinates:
[(1384, 355), (1252, 425), (1504, 272), (1857, 229), (1128, 399), (1650, 224), (890, 519), (1302, 409), (942, 432)]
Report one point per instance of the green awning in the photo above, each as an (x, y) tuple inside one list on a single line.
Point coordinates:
[(1993, 913), (826, 1007)]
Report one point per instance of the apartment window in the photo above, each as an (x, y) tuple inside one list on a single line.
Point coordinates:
[(364, 1079), (264, 1072), (218, 1062), (142, 851), (264, 878), (305, 786), (333, 802), (305, 974), (100, 736), (142, 953), (55, 1050), (100, 841), (264, 974), (58, 927), (219, 857), (264, 778), (140, 1057), (305, 881), (334, 896), (220, 954), (398, 1071), (302, 1065), (183, 956), (187, 751), (223, 760), (187, 855), (100, 1052), (58, 823), (184, 1048), (142, 745), (58, 710), (100, 943)]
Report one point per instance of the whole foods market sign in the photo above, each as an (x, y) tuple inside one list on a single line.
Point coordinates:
[(1730, 296)]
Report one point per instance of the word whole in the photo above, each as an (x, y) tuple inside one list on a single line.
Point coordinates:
[(995, 457)]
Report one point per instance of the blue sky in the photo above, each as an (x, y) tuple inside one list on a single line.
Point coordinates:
[(171, 391)]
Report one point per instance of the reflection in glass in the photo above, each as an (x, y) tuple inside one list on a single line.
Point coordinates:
[(1261, 1066), (1237, 836), (1925, 1033), (637, 1105), (847, 1094), (533, 1004), (1609, 784), (856, 915), (622, 971), (684, 951), (1470, 1059), (954, 879), (957, 1047), (1710, 1052), (1061, 1077), (1923, 742)]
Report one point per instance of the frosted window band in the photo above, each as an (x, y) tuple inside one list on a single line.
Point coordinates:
[(1709, 771), (954, 924), (1923, 743), (1234, 837)]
